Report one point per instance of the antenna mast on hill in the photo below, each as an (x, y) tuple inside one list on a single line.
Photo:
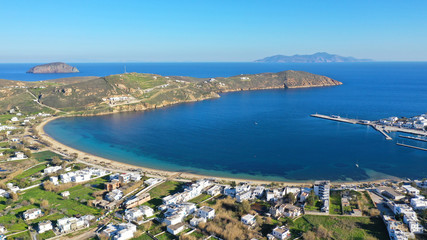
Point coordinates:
[(125, 69)]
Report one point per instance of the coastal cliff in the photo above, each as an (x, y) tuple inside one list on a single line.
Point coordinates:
[(139, 91), (56, 67)]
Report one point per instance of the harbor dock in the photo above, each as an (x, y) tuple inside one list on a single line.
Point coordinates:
[(379, 128), (413, 138), (410, 146), (382, 131), (337, 118)]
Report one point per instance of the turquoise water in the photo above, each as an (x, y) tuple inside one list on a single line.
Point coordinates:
[(268, 134)]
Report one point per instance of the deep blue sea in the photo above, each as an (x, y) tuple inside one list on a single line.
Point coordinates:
[(266, 134)]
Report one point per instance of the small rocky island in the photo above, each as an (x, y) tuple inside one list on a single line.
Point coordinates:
[(56, 67)]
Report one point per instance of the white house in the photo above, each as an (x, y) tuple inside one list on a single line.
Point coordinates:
[(176, 228), (33, 213), (135, 177), (114, 195), (44, 226), (196, 220), (14, 119), (172, 220), (419, 203), (52, 169), (258, 192), (134, 214), (269, 195), (4, 193), (411, 190), (206, 212), (241, 196), (147, 211), (18, 156), (54, 180), (152, 181), (214, 190), (248, 219), (281, 232), (122, 231), (124, 178), (65, 194)]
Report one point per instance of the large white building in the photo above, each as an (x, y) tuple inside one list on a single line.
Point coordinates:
[(419, 203), (69, 224), (411, 190)]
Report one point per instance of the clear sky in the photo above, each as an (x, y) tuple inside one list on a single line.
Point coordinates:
[(217, 30)]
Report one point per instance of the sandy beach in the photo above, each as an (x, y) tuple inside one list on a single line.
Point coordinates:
[(96, 161)]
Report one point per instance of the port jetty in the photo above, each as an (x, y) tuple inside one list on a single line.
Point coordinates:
[(379, 125)]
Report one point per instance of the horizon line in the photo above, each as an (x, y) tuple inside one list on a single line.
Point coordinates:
[(372, 61)]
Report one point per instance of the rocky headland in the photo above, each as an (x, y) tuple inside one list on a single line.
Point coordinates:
[(139, 91)]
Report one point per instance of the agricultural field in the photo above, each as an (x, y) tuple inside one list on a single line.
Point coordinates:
[(45, 156), (347, 227), (68, 207), (335, 203), (85, 191), (200, 198)]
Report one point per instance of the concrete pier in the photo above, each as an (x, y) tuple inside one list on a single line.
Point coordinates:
[(355, 121), (382, 131), (413, 138), (410, 146), (337, 118)]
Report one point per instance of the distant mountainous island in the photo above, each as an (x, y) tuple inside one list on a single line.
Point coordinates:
[(139, 91), (56, 67), (320, 57)]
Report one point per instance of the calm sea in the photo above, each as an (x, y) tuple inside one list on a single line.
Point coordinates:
[(259, 134)]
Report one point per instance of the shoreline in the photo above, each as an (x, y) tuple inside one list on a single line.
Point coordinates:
[(113, 165)]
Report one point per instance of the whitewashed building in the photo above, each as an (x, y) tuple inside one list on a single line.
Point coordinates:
[(206, 212), (33, 213), (122, 231), (281, 233), (44, 226), (248, 219)]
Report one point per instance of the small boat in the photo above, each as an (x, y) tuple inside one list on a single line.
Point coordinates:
[(357, 165), (256, 123)]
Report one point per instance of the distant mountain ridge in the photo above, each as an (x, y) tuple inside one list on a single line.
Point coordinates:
[(320, 57)]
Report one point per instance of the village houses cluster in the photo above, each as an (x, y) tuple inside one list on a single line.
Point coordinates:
[(409, 224), (417, 122)]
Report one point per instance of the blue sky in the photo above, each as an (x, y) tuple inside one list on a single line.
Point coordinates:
[(193, 31)]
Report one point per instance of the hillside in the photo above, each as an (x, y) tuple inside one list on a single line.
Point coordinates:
[(321, 57), (138, 91)]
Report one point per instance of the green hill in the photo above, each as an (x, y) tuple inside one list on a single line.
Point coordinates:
[(138, 91)]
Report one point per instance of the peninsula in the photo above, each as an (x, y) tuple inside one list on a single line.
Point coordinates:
[(320, 57), (139, 91), (56, 67)]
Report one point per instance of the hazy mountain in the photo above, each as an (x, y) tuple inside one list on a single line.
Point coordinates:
[(321, 57)]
